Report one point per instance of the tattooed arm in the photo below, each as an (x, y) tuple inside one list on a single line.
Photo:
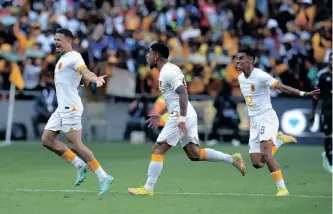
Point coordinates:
[(183, 99)]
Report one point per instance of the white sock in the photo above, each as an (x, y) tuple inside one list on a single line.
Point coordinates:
[(154, 170), (101, 174), (278, 143), (280, 184), (78, 163), (212, 155), (277, 177)]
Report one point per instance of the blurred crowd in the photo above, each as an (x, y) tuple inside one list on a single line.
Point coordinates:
[(292, 38)]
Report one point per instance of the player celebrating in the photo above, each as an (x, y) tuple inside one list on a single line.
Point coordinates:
[(67, 118), (181, 125), (324, 83), (264, 124)]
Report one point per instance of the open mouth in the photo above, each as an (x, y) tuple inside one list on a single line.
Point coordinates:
[(57, 46)]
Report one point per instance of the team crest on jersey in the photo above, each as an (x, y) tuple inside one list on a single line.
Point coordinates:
[(252, 88), (60, 65)]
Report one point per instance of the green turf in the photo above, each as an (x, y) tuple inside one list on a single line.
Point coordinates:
[(33, 167)]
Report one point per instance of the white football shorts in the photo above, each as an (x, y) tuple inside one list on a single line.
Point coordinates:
[(263, 127), (172, 135), (64, 121)]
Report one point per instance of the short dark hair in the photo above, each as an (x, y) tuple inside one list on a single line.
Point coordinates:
[(161, 48), (65, 32), (248, 52)]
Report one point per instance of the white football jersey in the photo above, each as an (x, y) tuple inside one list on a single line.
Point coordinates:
[(171, 77), (256, 91), (67, 79)]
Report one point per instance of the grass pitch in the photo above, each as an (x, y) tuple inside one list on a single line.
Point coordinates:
[(35, 181)]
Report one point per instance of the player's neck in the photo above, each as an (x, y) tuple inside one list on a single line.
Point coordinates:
[(66, 51), (247, 74), (161, 64)]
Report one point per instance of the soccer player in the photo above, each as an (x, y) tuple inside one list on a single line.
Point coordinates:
[(324, 83), (181, 125), (255, 85), (69, 70)]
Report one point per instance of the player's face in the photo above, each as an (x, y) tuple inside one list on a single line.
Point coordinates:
[(243, 62), (61, 42), (151, 58)]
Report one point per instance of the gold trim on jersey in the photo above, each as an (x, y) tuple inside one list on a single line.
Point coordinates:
[(274, 84), (80, 68)]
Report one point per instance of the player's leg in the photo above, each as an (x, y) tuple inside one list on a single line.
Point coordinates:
[(168, 137), (257, 160), (49, 140), (274, 168), (254, 144), (281, 139), (269, 126), (190, 144), (154, 169), (75, 142), (156, 164), (326, 126), (194, 153)]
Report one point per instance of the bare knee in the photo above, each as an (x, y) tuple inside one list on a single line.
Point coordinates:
[(266, 157), (159, 148), (258, 165)]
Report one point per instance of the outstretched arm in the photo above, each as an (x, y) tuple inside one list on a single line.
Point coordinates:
[(91, 77), (294, 91)]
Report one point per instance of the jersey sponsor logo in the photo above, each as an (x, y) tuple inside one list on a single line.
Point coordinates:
[(252, 88), (248, 100), (60, 65)]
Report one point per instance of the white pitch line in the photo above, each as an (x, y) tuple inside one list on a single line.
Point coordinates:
[(166, 193)]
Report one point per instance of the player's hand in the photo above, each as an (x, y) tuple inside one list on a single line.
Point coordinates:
[(315, 93), (182, 127), (154, 120), (100, 81)]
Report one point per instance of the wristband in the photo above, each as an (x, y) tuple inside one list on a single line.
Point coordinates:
[(182, 119), (302, 93)]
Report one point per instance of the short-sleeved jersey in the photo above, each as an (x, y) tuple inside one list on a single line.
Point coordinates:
[(171, 77), (256, 91), (67, 79), (324, 83)]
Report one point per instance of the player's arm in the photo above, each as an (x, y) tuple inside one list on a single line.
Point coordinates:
[(89, 76), (290, 90), (163, 111), (183, 99)]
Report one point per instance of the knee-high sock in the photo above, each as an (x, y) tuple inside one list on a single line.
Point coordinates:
[(154, 170), (212, 155)]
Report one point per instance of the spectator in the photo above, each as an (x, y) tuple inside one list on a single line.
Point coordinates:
[(226, 114), (45, 105)]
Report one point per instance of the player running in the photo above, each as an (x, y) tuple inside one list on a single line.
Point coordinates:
[(324, 83), (69, 70), (264, 124), (181, 125)]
